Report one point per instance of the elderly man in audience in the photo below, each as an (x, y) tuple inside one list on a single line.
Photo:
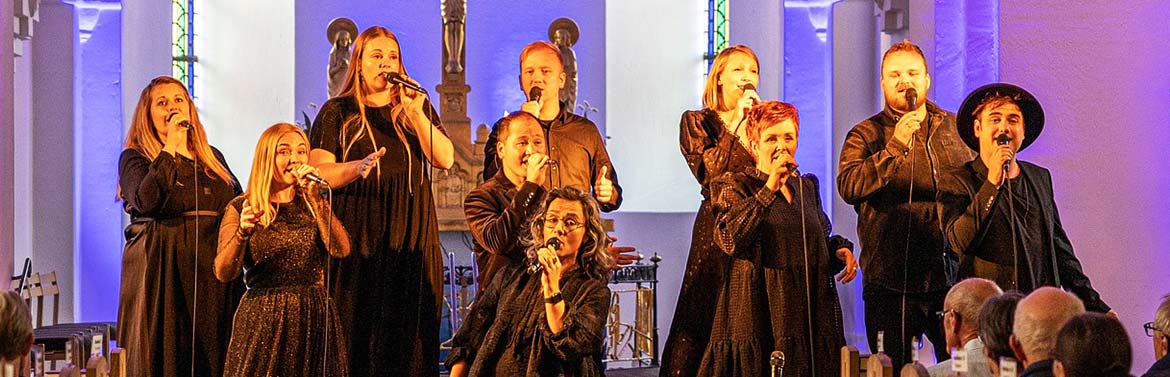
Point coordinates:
[(996, 317), (960, 318), (16, 336), (1092, 345), (1038, 318), (1160, 331)]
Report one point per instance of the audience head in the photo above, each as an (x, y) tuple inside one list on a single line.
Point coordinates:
[(961, 309), (571, 216), (1039, 316), (1092, 345), (1160, 329), (996, 317), (16, 336)]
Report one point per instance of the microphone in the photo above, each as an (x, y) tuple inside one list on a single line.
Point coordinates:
[(536, 267), (751, 87), (315, 178), (912, 99), (791, 166), (185, 124), (534, 93), (777, 361), (398, 79), (1004, 140)]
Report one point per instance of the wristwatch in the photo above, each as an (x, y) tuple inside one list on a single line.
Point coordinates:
[(558, 297)]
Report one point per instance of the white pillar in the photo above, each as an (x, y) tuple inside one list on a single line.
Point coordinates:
[(759, 24), (7, 125), (146, 49), (53, 53), (855, 43)]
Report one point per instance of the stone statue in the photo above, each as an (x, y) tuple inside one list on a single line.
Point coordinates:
[(341, 32), (454, 16), (564, 33)]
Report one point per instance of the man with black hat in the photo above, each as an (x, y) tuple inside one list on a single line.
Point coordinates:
[(1009, 229)]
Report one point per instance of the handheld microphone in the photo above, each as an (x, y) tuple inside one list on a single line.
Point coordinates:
[(777, 361), (751, 87), (315, 178), (398, 79), (1004, 140), (536, 267), (185, 124), (912, 99), (791, 166), (534, 94)]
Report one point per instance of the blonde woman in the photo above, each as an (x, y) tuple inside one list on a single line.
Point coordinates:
[(375, 143), (173, 313), (276, 233), (713, 141)]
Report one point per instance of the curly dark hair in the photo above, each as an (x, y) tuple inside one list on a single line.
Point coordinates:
[(593, 258)]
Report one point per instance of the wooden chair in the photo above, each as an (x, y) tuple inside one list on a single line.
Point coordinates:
[(879, 366), (914, 370)]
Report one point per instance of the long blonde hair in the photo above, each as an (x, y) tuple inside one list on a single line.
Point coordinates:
[(259, 189), (145, 138), (712, 96), (353, 87)]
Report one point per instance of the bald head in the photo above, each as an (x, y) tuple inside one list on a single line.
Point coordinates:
[(966, 297), (1039, 317)]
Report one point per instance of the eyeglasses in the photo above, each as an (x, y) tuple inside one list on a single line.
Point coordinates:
[(568, 225), (943, 313), (1150, 329)]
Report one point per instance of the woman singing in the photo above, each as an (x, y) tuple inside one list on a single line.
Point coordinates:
[(548, 322), (374, 143), (174, 317), (276, 233), (713, 141), (779, 293)]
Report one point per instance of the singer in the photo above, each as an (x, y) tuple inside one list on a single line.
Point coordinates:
[(992, 217), (779, 294), (713, 141), (174, 185), (890, 166), (575, 148), (374, 143), (276, 232), (499, 209), (550, 323)]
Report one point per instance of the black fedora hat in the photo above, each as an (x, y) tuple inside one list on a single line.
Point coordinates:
[(1029, 106)]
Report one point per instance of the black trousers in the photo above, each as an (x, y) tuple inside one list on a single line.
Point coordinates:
[(883, 312)]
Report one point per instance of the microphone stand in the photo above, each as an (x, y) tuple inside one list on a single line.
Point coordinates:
[(1012, 226)]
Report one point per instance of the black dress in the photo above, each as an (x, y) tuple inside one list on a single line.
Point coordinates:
[(764, 305), (710, 150), (389, 290), (165, 293), (286, 324), (507, 334)]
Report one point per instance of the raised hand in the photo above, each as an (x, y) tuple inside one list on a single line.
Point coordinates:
[(366, 164), (603, 189), (536, 169)]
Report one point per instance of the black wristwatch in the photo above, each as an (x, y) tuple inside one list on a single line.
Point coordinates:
[(554, 299)]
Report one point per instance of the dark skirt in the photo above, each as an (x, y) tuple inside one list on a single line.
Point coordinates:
[(695, 311)]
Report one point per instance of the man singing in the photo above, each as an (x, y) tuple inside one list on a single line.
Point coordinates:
[(1008, 229), (576, 151), (889, 172)]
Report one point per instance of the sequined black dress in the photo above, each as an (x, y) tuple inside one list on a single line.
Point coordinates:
[(710, 150), (286, 324)]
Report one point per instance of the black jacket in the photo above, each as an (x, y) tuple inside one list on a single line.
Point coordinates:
[(576, 147), (875, 176), (1048, 262), (498, 213)]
